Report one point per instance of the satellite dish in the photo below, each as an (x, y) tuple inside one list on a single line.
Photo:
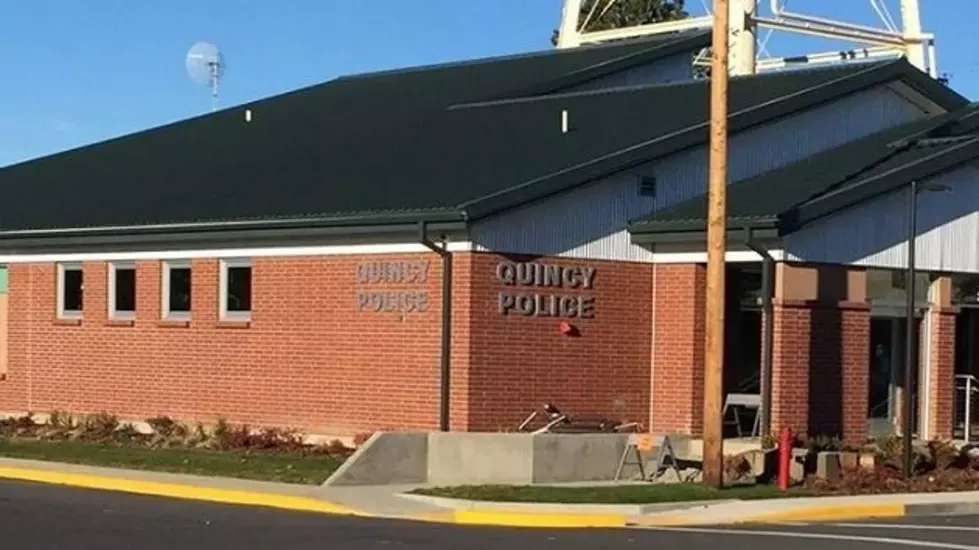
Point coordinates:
[(205, 65)]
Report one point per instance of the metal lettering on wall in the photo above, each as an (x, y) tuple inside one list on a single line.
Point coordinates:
[(388, 274), (533, 275)]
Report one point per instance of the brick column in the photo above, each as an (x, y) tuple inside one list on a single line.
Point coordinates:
[(940, 367), (678, 349), (790, 368), (821, 353)]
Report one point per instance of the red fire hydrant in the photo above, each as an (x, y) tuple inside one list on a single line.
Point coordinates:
[(784, 458)]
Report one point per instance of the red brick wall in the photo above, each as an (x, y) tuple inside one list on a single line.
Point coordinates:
[(309, 358), (678, 352), (821, 368), (519, 363), (941, 386)]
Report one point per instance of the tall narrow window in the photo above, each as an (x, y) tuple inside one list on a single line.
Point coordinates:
[(236, 289), (122, 290), (176, 290), (70, 289)]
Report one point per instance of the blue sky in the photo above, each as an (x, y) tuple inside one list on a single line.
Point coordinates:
[(80, 72)]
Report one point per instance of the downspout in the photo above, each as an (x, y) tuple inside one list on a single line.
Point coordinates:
[(445, 360), (767, 343)]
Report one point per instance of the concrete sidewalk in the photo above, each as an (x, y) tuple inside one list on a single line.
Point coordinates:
[(390, 502)]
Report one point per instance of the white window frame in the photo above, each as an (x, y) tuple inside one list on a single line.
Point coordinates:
[(226, 264), (62, 268), (114, 314), (165, 291)]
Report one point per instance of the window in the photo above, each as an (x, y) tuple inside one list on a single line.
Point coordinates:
[(647, 186), (236, 289), (122, 290), (176, 290), (70, 287)]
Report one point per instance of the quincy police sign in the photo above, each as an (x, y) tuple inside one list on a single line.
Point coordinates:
[(546, 290)]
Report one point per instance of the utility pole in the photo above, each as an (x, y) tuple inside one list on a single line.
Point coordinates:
[(713, 472)]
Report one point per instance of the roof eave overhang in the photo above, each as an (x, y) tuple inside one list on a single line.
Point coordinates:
[(931, 89), (880, 185), (251, 233), (694, 233)]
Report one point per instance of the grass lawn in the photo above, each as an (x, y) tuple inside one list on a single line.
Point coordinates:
[(608, 494), (279, 467)]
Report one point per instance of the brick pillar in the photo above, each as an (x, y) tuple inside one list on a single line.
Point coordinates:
[(790, 368), (678, 349), (821, 352), (855, 354), (940, 366)]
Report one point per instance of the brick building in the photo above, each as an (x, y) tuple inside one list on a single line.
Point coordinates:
[(461, 243)]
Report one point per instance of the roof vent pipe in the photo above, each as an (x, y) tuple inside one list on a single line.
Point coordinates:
[(564, 121)]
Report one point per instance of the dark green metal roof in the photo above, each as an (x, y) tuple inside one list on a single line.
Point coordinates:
[(434, 144), (788, 198)]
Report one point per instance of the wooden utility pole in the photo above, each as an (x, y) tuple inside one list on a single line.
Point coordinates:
[(716, 247)]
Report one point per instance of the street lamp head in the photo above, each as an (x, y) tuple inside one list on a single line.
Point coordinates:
[(918, 187), (935, 188)]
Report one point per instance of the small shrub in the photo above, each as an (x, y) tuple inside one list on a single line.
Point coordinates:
[(821, 443), (943, 456), (237, 437), (167, 427), (888, 447), (221, 428), (736, 467), (98, 427), (60, 420)]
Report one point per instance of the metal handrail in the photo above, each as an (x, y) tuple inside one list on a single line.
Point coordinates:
[(970, 387)]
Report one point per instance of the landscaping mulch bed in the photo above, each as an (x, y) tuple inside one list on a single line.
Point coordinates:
[(936, 467)]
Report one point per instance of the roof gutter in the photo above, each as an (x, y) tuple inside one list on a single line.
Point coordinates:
[(768, 321), (445, 359), (267, 232)]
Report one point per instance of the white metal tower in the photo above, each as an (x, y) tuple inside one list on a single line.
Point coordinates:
[(908, 40)]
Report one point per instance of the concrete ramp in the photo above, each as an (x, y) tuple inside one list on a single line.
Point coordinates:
[(387, 458), (463, 458)]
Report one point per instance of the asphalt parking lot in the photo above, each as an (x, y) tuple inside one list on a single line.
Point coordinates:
[(954, 533), (37, 516)]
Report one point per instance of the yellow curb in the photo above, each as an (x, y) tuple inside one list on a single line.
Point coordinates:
[(531, 519), (173, 490), (833, 513), (664, 521)]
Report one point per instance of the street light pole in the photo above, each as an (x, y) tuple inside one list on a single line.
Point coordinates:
[(911, 343), (910, 347)]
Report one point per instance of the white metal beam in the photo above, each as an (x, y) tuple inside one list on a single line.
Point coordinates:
[(911, 21), (741, 37), (780, 14), (828, 31), (568, 36), (829, 57)]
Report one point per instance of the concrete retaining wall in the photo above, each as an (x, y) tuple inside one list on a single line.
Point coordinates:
[(461, 458), (386, 459)]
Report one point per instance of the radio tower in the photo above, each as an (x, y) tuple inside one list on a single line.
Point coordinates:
[(746, 18)]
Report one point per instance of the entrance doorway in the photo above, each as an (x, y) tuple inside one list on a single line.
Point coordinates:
[(742, 343), (887, 387)]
